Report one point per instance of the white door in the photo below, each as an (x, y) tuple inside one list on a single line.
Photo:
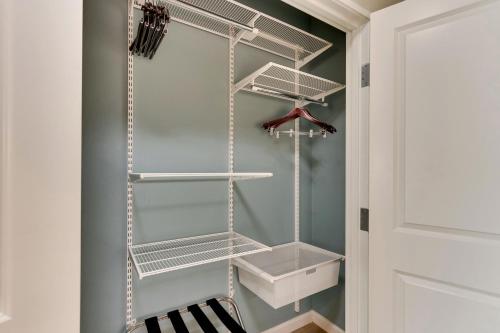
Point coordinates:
[(435, 167), (40, 165)]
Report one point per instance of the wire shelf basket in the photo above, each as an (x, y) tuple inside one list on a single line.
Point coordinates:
[(166, 256), (287, 83), (253, 27)]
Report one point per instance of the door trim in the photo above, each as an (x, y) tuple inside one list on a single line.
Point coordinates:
[(342, 14), (353, 181), (5, 76)]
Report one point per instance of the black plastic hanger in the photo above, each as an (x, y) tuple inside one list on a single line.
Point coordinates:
[(151, 30)]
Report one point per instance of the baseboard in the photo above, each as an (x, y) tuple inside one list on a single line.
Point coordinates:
[(304, 319), (292, 324), (324, 323)]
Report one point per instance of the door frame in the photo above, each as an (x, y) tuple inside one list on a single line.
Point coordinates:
[(5, 292), (349, 17)]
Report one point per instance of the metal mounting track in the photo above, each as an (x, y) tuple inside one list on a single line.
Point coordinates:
[(296, 174), (130, 162), (230, 213)]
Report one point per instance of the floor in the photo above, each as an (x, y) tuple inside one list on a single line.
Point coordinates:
[(310, 328)]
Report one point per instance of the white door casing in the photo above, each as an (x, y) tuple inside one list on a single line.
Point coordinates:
[(434, 167), (363, 241)]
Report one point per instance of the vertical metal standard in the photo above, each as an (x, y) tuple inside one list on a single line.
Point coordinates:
[(130, 159), (230, 213), (297, 170)]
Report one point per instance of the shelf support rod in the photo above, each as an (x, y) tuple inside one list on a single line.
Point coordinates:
[(303, 62), (296, 207)]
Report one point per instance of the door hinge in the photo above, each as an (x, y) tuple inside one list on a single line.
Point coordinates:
[(365, 75), (364, 219)]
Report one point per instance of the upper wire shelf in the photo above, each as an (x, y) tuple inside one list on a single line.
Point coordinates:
[(251, 27), (137, 177), (289, 84), (166, 256)]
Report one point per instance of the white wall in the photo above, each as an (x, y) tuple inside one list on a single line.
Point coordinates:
[(374, 5), (40, 165)]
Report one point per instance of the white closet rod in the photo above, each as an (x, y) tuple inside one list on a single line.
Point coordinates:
[(290, 97)]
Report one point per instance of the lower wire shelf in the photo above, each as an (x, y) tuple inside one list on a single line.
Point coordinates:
[(166, 256)]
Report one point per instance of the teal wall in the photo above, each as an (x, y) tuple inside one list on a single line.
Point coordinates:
[(327, 158), (104, 169), (180, 105)]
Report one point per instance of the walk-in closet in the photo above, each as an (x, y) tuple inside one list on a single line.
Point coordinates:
[(249, 166), (233, 167)]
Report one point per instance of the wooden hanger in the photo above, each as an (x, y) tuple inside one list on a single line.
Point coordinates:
[(298, 113)]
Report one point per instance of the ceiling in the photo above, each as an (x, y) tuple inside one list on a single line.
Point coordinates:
[(374, 5)]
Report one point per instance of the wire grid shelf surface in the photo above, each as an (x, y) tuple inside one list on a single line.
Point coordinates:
[(167, 177), (166, 256), (268, 33), (284, 80)]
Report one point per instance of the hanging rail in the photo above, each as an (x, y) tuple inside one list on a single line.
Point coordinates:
[(289, 97), (291, 133)]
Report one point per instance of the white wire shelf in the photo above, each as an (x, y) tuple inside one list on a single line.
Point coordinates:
[(289, 84), (252, 27), (166, 256), (170, 177)]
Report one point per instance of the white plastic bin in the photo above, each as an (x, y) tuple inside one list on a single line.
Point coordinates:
[(289, 272)]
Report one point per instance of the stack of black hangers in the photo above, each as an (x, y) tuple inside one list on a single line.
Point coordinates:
[(205, 323), (151, 31)]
